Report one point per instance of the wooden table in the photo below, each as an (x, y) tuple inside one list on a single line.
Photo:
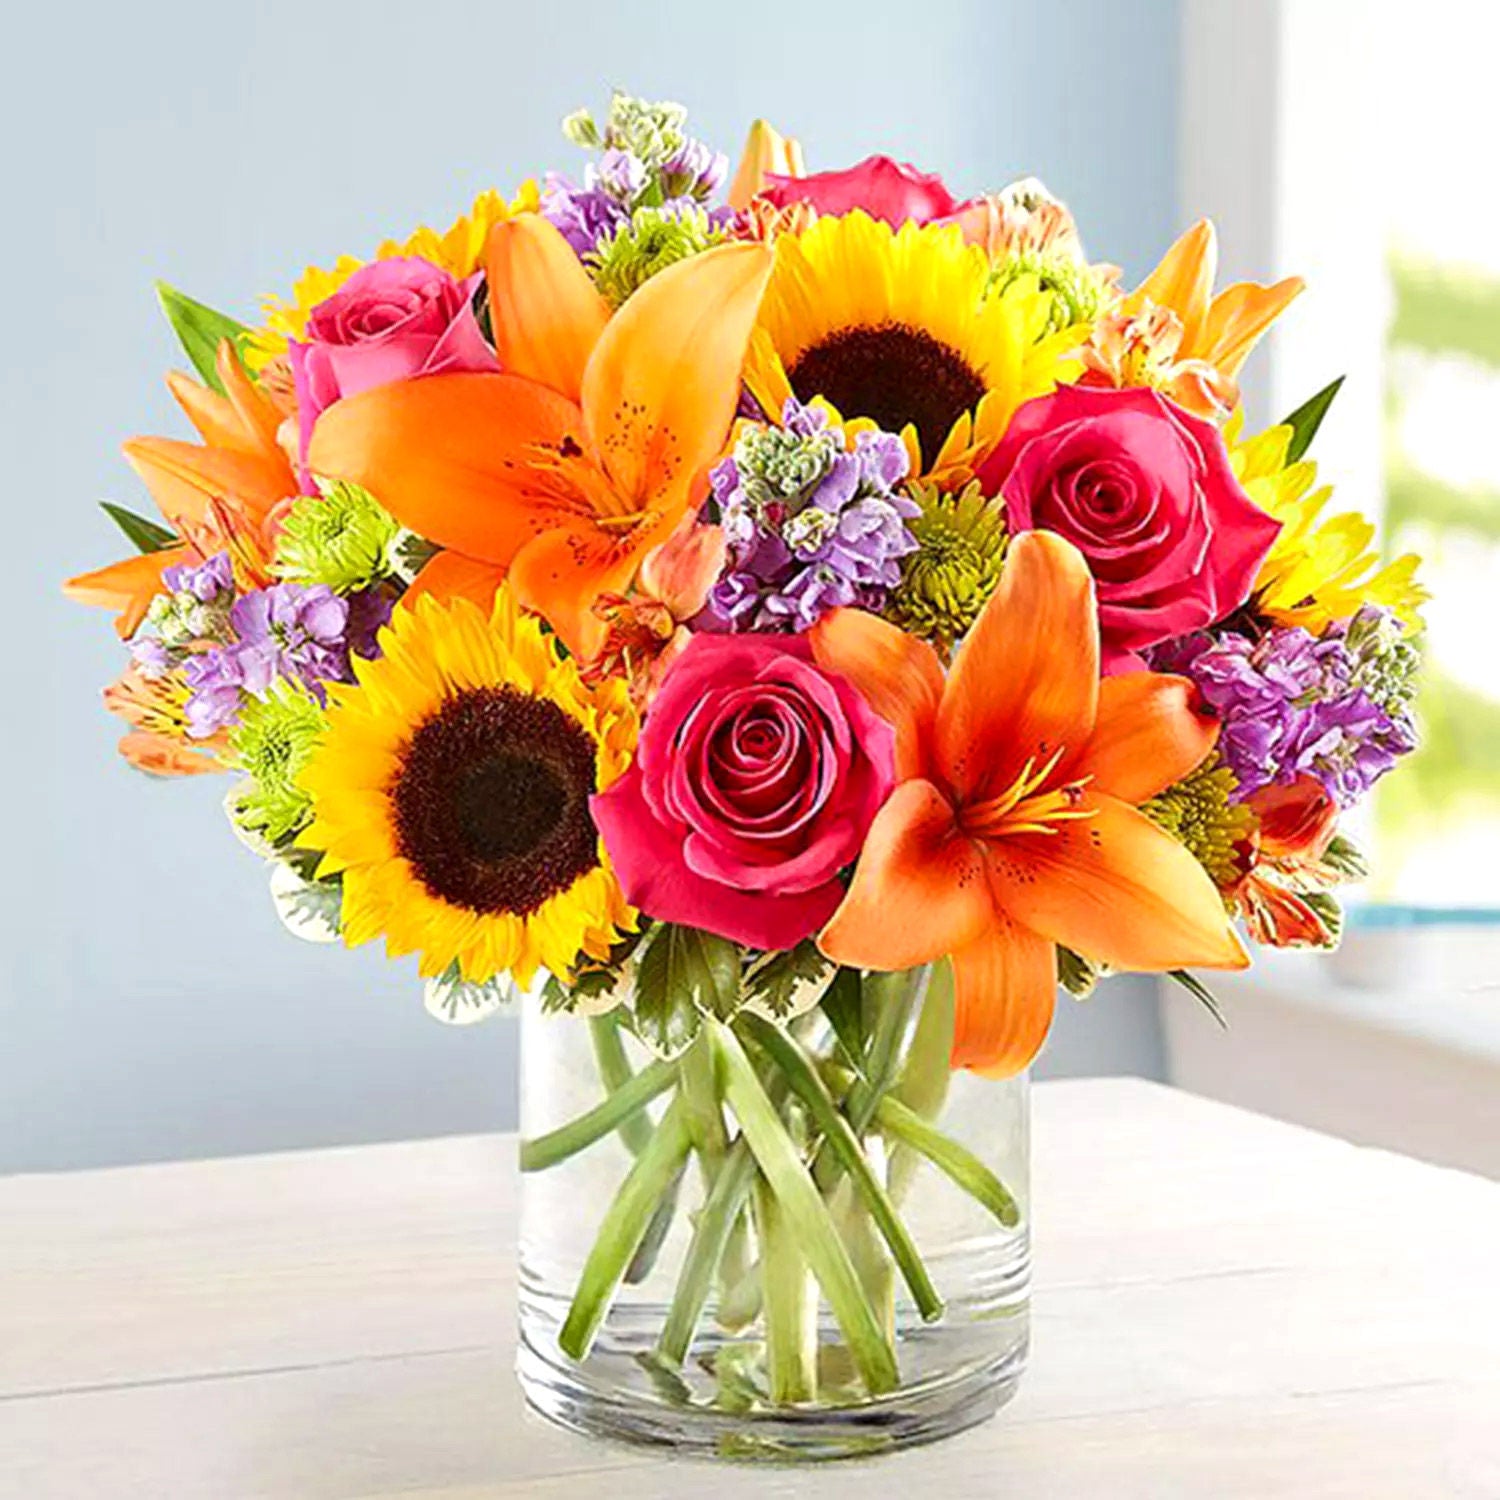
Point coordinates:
[(1225, 1306)]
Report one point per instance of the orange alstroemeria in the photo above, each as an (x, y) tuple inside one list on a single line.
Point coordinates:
[(1014, 828), (156, 711), (1284, 862), (561, 473), (1175, 333), (646, 630), (217, 494)]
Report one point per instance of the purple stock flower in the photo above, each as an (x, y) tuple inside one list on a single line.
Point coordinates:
[(1335, 707), (301, 633), (583, 216), (291, 631), (694, 171), (205, 582), (151, 656), (811, 525)]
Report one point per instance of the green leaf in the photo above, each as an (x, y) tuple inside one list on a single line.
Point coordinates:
[(789, 983), (200, 330), (309, 909), (842, 1005), (1344, 858), (1201, 993), (143, 535), (1076, 974), (457, 1001), (1308, 417), (1330, 913), (683, 975)]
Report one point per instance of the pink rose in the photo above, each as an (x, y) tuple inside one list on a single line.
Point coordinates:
[(755, 781), (891, 190), (391, 320), (1146, 493)]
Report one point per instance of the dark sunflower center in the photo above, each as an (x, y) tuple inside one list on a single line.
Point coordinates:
[(492, 802), (894, 374)]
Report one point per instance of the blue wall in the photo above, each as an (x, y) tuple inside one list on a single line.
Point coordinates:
[(150, 1005)]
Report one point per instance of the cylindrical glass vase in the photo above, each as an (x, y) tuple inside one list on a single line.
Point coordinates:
[(717, 1272)]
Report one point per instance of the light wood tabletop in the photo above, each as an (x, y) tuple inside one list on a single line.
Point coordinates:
[(1225, 1306)]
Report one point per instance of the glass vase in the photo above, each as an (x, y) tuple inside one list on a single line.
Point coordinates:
[(799, 1247)]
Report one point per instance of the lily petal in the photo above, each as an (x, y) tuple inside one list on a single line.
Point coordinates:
[(128, 586), (1113, 886), (451, 457), (1184, 281), (451, 575), (209, 412), (1240, 314), (1026, 682), (559, 574), (898, 675), (767, 151), (257, 417), (919, 889), (1005, 986), (663, 383), (1152, 730), (184, 477), (545, 313)]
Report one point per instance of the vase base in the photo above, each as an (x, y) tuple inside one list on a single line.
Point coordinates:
[(922, 1413)]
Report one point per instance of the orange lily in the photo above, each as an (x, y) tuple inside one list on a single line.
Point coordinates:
[(563, 472), (1203, 344), (219, 493), (1014, 828)]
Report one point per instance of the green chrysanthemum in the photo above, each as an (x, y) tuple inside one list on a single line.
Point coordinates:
[(1198, 812), (960, 554), (654, 239), (343, 538), (1074, 289), (271, 743)]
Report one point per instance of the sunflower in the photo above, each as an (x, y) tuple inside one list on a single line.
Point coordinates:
[(451, 791), (1322, 567), (893, 326), (459, 250)]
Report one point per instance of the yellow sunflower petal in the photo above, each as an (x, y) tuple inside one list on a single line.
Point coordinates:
[(896, 327), (412, 883)]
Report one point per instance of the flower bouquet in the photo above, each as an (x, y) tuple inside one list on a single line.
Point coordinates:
[(779, 642)]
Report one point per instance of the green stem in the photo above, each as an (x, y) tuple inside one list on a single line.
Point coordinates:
[(927, 1073), (721, 1211), (957, 1162), (624, 1226), (616, 1072), (643, 1262), (740, 1296), (628, 1100), (700, 1098), (893, 998), (806, 1213), (811, 1090), (791, 1305)]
